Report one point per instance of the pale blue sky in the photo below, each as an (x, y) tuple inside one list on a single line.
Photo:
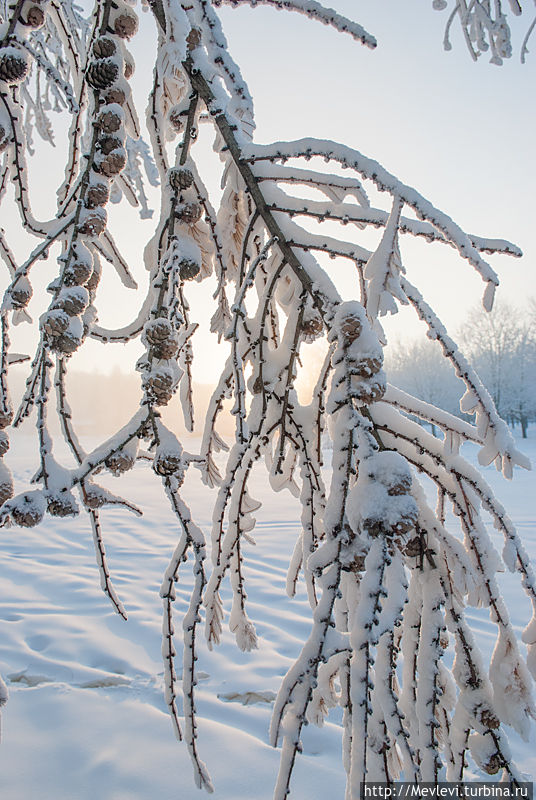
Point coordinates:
[(461, 133)]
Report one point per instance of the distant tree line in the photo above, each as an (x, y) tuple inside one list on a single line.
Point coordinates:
[(501, 345)]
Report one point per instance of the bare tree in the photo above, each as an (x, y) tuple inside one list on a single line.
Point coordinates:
[(420, 369), (502, 346), (387, 581), (485, 27)]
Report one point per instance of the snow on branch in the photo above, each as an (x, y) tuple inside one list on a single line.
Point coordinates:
[(387, 577), (313, 10)]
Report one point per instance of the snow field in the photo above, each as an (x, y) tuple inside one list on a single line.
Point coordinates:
[(86, 716)]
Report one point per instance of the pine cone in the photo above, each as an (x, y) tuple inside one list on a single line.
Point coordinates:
[(54, 323), (494, 765), (194, 38), (180, 178), (166, 350), (115, 95), (93, 223), (177, 118), (68, 342), (13, 65), (367, 366), (119, 462), (403, 487), (73, 300), (126, 24), (77, 273), (112, 164), (21, 293), (489, 719), (4, 139), (6, 417), (35, 18), (158, 331), (89, 317), (6, 491), (109, 121), (97, 195), (188, 213), (4, 443), (128, 69), (258, 385), (62, 505), (160, 386), (370, 391), (312, 327), (93, 282), (94, 497), (188, 269), (167, 464), (414, 548), (351, 328), (102, 73), (27, 514), (106, 144), (104, 47)]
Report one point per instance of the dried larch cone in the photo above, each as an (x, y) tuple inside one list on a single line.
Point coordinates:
[(128, 68), (21, 293), (93, 223), (193, 39), (106, 144), (94, 497), (120, 462), (366, 366), (312, 327), (109, 120), (489, 719), (166, 350), (104, 47), (35, 17), (180, 178), (370, 391), (112, 164), (115, 95), (126, 24), (188, 269), (102, 73), (54, 322), (414, 548), (4, 443), (4, 139), (351, 328), (77, 273), (160, 385), (6, 417), (73, 300), (69, 341), (14, 65), (62, 504), (6, 490), (167, 464), (188, 213), (158, 331), (97, 195), (26, 513), (177, 118), (493, 765), (258, 385)]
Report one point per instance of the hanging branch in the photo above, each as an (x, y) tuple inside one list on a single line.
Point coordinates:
[(387, 583)]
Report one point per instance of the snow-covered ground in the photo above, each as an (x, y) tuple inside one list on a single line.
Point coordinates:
[(86, 717)]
